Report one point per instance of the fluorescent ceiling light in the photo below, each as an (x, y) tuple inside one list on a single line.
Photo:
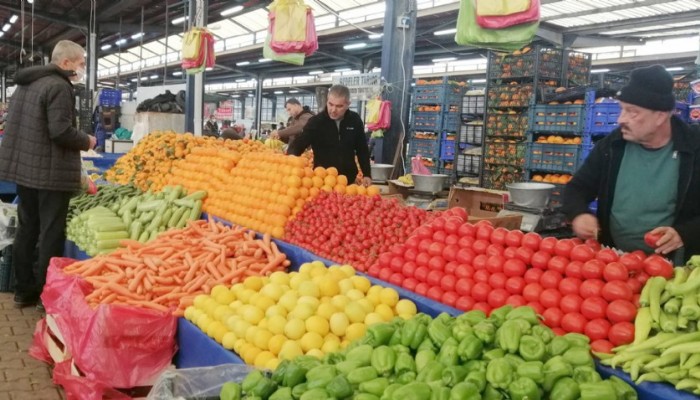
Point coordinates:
[(177, 73), (2, 33), (316, 72), (240, 80), (264, 60), (13, 18), (342, 69), (674, 69), (106, 46), (120, 42), (137, 35), (208, 69), (135, 79), (178, 20), (278, 92), (599, 71), (6, 27), (231, 10), (153, 76), (293, 91), (354, 46), (242, 63), (445, 32), (251, 95), (478, 81), (144, 78), (446, 59), (375, 36)]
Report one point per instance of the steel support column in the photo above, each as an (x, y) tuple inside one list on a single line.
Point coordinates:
[(258, 104), (194, 87)]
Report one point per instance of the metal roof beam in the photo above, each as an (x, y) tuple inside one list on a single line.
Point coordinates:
[(599, 10), (636, 22), (348, 59), (600, 41), (115, 27), (550, 34), (116, 9), (659, 30), (55, 18)]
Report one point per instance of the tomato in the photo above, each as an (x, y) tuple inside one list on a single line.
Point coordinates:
[(480, 246), (436, 263), (540, 259), (465, 303), (621, 333), (385, 273), (422, 259), (480, 291), (514, 238), (574, 269), (410, 254), (594, 307), (409, 269), (570, 303), (464, 271), (558, 331), (563, 247), (593, 269), (615, 271), (550, 279), (516, 300), (421, 273), (552, 317), (558, 264), (523, 253), (465, 256), (422, 288), (498, 236), (396, 278), (497, 280), (495, 263), (439, 236), (592, 243), (539, 308), (396, 264), (531, 240), (533, 275), (482, 306), (483, 232), (640, 254), (451, 267), (573, 322), (412, 242), (479, 261), (410, 284), (634, 285), (651, 239), (547, 244), (515, 284), (434, 293), (602, 346), (582, 253), (464, 286), (616, 290), (459, 212), (591, 287), (569, 286), (434, 278), (607, 256), (497, 297), (642, 277), (449, 298), (631, 262), (481, 275), (424, 245), (452, 225), (531, 291), (424, 232), (550, 298), (655, 265), (451, 239), (466, 230), (448, 282), (438, 223), (597, 329), (435, 249), (514, 267), (494, 250), (509, 252), (465, 242), (621, 310), (449, 252)]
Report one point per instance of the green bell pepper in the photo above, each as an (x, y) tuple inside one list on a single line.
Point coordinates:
[(404, 363), (526, 313), (333, 358), (251, 380), (578, 356), (230, 391), (565, 389), (493, 354), (508, 336), (524, 389), (362, 374), (339, 387), (376, 386), (514, 360), (470, 347), (383, 360), (413, 332), (438, 330), (544, 333), (448, 352), (532, 348), (499, 373), (362, 354), (399, 348), (454, 374), (465, 391), (491, 393), (364, 396), (346, 366), (476, 365), (554, 369), (315, 394), (389, 392), (278, 374), (379, 334), (307, 362), (423, 357), (498, 316), (427, 344), (478, 378), (406, 377), (577, 339), (532, 370), (440, 393), (586, 374), (602, 390), (557, 346), (320, 376), (413, 391), (623, 389), (299, 390), (263, 388), (432, 372), (294, 375), (472, 317), (282, 393), (461, 329), (396, 337), (485, 331)]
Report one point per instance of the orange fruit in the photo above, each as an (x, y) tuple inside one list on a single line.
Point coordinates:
[(294, 181), (351, 189), (317, 181), (326, 188), (372, 190), (330, 180), (339, 188), (332, 171), (320, 172), (361, 190), (307, 182), (342, 180), (313, 192)]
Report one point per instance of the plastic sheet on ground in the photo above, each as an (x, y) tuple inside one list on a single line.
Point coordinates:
[(196, 383)]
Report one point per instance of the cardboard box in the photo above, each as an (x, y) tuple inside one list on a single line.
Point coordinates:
[(118, 146), (484, 204), (396, 187)]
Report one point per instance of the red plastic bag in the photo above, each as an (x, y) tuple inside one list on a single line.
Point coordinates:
[(308, 46), (116, 346), (384, 120), (504, 21), (417, 166), (82, 388)]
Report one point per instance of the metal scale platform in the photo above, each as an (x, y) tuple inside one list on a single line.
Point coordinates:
[(427, 200), (536, 219)]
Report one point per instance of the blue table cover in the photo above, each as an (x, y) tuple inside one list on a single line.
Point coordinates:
[(105, 162), (8, 187), (71, 250)]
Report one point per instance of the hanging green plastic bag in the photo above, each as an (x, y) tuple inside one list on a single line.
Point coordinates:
[(289, 58), (469, 33)]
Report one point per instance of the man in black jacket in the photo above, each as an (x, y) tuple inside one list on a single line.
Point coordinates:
[(336, 135), (41, 154), (645, 174)]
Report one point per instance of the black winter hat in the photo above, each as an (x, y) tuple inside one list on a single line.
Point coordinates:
[(650, 88)]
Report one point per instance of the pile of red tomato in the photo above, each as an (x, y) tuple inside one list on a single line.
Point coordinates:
[(353, 229), (575, 286)]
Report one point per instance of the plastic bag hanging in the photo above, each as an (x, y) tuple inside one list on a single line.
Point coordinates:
[(292, 27), (469, 33), (532, 14), (289, 58), (486, 8), (383, 117), (372, 109)]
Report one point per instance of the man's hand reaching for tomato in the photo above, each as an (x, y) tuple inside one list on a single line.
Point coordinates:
[(663, 239)]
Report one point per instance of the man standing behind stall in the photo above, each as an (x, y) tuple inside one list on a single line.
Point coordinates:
[(41, 154), (336, 135), (300, 117)]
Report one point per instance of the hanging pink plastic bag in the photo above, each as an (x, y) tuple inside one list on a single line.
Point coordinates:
[(469, 33), (532, 14), (82, 388), (292, 28), (417, 166), (113, 345), (384, 118)]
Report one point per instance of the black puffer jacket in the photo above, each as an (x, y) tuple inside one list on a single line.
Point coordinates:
[(41, 146), (598, 175)]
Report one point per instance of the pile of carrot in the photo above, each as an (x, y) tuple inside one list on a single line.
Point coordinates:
[(166, 274)]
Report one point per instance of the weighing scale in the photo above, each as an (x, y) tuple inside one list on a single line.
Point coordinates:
[(536, 219), (427, 200)]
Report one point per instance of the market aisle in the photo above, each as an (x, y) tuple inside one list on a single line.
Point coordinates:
[(21, 376)]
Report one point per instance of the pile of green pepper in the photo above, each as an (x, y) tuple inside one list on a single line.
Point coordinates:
[(509, 355)]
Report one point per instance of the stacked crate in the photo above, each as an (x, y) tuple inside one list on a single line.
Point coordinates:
[(435, 121), (468, 148), (514, 81)]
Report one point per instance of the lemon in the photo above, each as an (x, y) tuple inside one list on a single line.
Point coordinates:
[(373, 318), (272, 364), (345, 285), (348, 270), (229, 340), (275, 343), (262, 339), (263, 358), (222, 312), (279, 278), (366, 305), (317, 324), (325, 310), (263, 302), (275, 310), (250, 353), (273, 291), (288, 300), (336, 274), (354, 294), (339, 323), (330, 346), (355, 312), (203, 322), (311, 340), (344, 344), (340, 301), (276, 323), (245, 295), (250, 333), (210, 306), (236, 306), (361, 283), (189, 311), (309, 288), (232, 322), (290, 349), (406, 307), (385, 311), (239, 345), (328, 286), (296, 280), (314, 302), (253, 282), (374, 289), (214, 328), (406, 316), (199, 300), (253, 314), (294, 329), (355, 331), (302, 311), (241, 328), (306, 268), (389, 297), (224, 297)]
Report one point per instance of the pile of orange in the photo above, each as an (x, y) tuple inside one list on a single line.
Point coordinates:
[(205, 168), (560, 179), (556, 139)]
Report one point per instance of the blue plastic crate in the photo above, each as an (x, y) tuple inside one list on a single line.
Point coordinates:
[(110, 97), (451, 122), (424, 146), (601, 118), (585, 151), (447, 150), (553, 157), (427, 121), (681, 111), (557, 118), (452, 136), (438, 94)]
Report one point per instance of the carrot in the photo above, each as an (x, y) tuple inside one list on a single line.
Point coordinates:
[(173, 271), (213, 270)]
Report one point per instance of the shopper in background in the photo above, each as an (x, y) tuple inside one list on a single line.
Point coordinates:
[(336, 136), (281, 126), (41, 154), (300, 117), (211, 128), (645, 174), (231, 134)]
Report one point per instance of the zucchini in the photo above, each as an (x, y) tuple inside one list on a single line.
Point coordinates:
[(107, 244), (174, 194), (152, 205), (143, 237), (135, 230), (166, 216), (127, 218), (147, 216), (111, 227), (177, 214), (196, 211), (198, 195), (183, 220), (189, 203), (153, 235), (115, 235), (130, 205)]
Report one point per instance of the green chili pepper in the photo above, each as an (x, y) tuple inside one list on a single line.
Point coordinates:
[(361, 375), (586, 374), (448, 352), (555, 368), (379, 334), (315, 394), (498, 316), (282, 393), (532, 370), (656, 287), (251, 380), (432, 372), (383, 360), (624, 390), (454, 374), (642, 325), (525, 312), (339, 387), (491, 393), (485, 331), (565, 389), (499, 373), (531, 348), (375, 386), (478, 378), (524, 389), (361, 354), (230, 391), (602, 390), (470, 347), (689, 306), (423, 358), (404, 363), (668, 322), (690, 285), (263, 388), (557, 346), (673, 306), (465, 391), (545, 334), (413, 391)]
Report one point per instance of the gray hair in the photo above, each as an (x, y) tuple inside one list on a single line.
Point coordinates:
[(340, 91), (66, 50), (292, 100)]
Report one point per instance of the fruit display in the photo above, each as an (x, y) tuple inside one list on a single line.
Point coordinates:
[(313, 312), (560, 179), (353, 229), (167, 273), (499, 151), (97, 230), (509, 123), (556, 139), (527, 62), (510, 95), (406, 179), (506, 356), (577, 68), (498, 176), (106, 196)]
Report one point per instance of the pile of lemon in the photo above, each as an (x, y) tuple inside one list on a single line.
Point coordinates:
[(315, 311)]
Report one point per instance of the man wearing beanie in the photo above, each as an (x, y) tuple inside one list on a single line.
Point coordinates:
[(645, 175)]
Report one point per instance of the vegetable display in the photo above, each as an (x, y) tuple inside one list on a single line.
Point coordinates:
[(98, 231), (506, 356), (106, 196), (166, 274), (315, 311)]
